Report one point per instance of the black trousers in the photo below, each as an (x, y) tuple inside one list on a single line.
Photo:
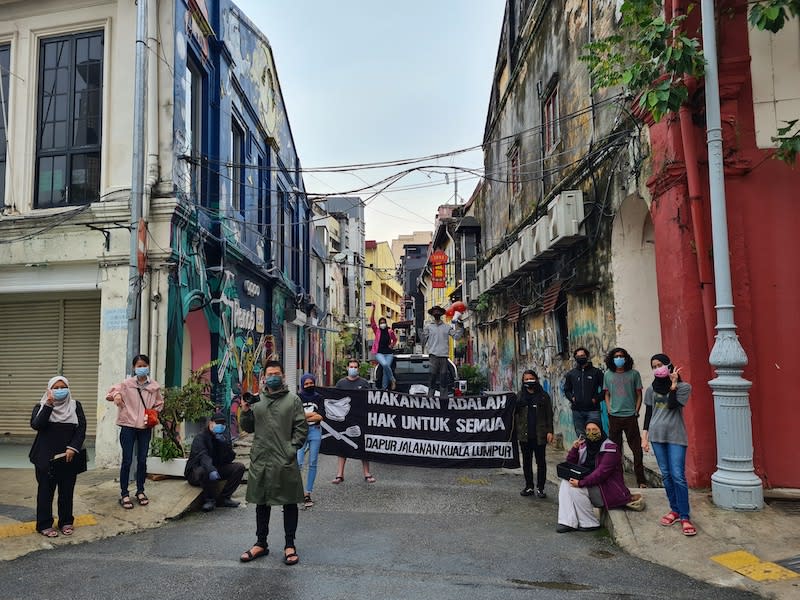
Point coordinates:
[(65, 484), (290, 517), (231, 474), (528, 451), (439, 375)]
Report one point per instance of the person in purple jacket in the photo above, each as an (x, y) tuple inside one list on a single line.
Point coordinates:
[(603, 487)]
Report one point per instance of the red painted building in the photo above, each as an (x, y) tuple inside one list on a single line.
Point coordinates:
[(759, 88)]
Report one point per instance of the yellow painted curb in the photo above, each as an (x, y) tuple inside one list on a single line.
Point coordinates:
[(753, 567), (18, 529)]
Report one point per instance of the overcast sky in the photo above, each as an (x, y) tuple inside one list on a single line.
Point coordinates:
[(371, 81)]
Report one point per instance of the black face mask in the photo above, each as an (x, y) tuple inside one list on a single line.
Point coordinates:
[(582, 360), (309, 389), (531, 385)]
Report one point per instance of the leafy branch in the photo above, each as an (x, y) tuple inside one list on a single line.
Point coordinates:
[(651, 58)]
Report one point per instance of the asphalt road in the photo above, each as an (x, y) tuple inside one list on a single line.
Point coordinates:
[(416, 533)]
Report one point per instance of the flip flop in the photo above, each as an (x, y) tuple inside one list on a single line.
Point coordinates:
[(291, 558), (337, 480), (126, 504), (67, 529), (49, 532), (669, 518), (687, 527), (248, 555)]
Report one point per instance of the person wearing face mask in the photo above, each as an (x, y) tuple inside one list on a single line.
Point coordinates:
[(583, 387), (665, 430), (383, 348), (211, 459), (131, 397), (312, 406), (60, 426), (436, 339), (352, 382), (279, 425), (622, 385), (533, 420), (603, 487)]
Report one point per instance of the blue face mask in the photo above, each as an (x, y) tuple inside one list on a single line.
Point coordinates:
[(352, 372), (60, 394), (274, 382), (219, 428), (142, 371), (619, 361)]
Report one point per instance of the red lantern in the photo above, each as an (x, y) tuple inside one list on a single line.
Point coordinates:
[(438, 263), (458, 306)]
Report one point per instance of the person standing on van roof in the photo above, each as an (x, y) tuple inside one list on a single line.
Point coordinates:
[(436, 337)]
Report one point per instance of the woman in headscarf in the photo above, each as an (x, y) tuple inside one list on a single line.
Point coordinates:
[(533, 418), (60, 426), (665, 430), (603, 487), (312, 405)]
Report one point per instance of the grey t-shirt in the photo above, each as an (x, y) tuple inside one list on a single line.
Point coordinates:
[(666, 424), (622, 389), (352, 384)]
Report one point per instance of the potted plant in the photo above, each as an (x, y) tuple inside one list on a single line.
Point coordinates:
[(189, 402)]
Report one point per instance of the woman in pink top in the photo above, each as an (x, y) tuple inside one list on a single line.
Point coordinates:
[(383, 348), (131, 397)]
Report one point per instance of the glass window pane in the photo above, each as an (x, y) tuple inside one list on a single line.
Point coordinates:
[(46, 141), (96, 48), (85, 178), (52, 178), (81, 50), (60, 135)]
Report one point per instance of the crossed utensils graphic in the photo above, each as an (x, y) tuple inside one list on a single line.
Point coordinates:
[(336, 409)]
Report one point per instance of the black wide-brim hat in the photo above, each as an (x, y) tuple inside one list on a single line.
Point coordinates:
[(436, 308)]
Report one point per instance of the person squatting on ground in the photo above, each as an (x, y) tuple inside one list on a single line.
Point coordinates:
[(352, 382), (131, 397), (583, 387), (278, 423), (312, 406), (435, 337), (211, 460), (623, 389), (533, 419), (665, 431), (603, 487), (60, 426), (383, 348)]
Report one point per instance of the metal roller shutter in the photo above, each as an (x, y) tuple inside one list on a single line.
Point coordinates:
[(290, 357), (80, 355), (29, 349), (38, 339)]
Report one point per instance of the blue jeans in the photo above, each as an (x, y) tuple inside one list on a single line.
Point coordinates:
[(581, 417), (385, 360), (313, 441), (128, 436), (672, 463)]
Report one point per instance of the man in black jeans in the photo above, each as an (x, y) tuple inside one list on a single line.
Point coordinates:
[(583, 388), (211, 460)]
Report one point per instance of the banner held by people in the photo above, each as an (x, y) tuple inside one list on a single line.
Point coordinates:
[(420, 430)]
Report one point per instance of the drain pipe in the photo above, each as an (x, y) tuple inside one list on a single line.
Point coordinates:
[(696, 203)]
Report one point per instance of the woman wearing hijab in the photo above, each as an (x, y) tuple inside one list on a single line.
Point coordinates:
[(60, 426), (603, 487), (533, 418), (665, 430), (131, 397), (312, 405)]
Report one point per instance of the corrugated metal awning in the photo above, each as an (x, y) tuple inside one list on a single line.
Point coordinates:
[(514, 312), (551, 297)]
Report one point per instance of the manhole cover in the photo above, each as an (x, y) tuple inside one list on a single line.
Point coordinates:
[(793, 564)]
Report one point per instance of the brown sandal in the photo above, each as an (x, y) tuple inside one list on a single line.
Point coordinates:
[(125, 502), (249, 555)]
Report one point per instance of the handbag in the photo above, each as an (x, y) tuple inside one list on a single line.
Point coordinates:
[(59, 465), (150, 414), (566, 470)]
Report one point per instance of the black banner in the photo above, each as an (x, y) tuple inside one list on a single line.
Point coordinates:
[(411, 429)]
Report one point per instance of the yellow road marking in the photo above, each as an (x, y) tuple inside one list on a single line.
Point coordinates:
[(28, 527), (736, 560)]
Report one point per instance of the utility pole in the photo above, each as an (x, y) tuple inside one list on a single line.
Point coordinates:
[(137, 180), (734, 485)]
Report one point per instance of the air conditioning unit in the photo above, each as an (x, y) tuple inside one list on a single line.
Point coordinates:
[(513, 257), (495, 266), (503, 265), (482, 274), (541, 240), (525, 251), (565, 214), (474, 290)]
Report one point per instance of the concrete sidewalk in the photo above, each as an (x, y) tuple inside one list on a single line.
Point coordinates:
[(737, 549)]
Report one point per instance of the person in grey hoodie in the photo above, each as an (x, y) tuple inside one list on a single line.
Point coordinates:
[(436, 339)]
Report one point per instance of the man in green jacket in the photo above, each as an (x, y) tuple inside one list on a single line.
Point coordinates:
[(279, 423)]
